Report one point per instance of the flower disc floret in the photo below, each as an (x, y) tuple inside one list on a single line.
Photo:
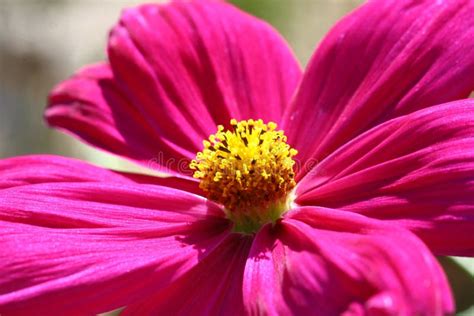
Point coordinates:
[(249, 170)]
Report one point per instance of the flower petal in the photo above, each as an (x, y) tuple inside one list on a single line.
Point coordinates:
[(416, 170), (386, 59), (91, 106), (329, 262), (33, 169), (91, 247), (176, 72), (214, 287)]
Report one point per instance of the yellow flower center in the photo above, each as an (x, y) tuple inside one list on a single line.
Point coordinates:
[(249, 170)]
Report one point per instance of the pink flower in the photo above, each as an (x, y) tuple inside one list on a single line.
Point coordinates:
[(385, 170)]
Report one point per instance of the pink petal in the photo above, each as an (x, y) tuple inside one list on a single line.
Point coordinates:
[(329, 262), (214, 287), (176, 71), (416, 170), (91, 106), (386, 59), (90, 247), (48, 169)]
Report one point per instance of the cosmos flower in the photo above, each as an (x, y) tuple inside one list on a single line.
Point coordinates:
[(320, 193)]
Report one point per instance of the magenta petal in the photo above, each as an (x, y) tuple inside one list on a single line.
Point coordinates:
[(330, 262), (214, 287), (416, 171), (90, 247), (91, 106), (176, 71), (386, 59), (89, 204), (24, 170), (35, 169)]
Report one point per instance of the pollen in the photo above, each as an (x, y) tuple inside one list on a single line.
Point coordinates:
[(249, 170)]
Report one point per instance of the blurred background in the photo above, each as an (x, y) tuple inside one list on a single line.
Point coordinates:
[(44, 41)]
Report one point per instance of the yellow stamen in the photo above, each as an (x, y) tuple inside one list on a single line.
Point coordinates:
[(249, 170)]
